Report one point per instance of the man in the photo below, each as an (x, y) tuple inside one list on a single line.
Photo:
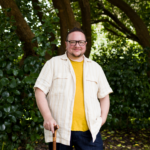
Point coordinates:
[(67, 92)]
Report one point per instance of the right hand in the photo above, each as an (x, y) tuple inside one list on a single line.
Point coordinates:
[(49, 124)]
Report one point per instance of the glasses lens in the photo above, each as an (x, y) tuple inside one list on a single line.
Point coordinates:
[(81, 43), (72, 43)]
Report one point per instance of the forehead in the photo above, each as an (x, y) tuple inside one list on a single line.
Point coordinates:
[(76, 36)]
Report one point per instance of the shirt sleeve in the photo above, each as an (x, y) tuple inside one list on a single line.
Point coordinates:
[(103, 85), (44, 79)]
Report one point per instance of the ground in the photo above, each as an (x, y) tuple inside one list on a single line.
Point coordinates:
[(119, 140)]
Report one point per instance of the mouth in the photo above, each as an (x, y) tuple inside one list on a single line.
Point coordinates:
[(77, 49)]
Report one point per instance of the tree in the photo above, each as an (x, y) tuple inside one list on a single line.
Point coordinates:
[(122, 18)]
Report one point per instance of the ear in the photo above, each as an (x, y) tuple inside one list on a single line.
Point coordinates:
[(66, 43)]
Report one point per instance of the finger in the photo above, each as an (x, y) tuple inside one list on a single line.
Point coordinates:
[(47, 126), (52, 128)]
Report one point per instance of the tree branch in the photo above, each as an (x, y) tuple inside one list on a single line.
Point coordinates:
[(23, 30), (110, 30), (38, 9), (141, 29), (121, 27), (111, 23)]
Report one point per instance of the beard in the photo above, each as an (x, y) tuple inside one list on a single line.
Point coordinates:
[(77, 55)]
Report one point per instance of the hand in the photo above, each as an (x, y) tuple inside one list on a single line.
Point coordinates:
[(49, 124)]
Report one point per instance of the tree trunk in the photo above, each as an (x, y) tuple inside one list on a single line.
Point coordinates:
[(86, 20), (67, 20), (23, 30)]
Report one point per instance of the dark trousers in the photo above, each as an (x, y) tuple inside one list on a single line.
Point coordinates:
[(81, 141)]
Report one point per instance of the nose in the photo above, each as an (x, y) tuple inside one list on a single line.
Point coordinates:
[(77, 44)]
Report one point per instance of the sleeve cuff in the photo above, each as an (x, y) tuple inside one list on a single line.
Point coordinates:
[(41, 87), (104, 93)]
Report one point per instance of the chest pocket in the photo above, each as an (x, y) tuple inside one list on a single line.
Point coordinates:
[(90, 79), (60, 82), (91, 86), (61, 76)]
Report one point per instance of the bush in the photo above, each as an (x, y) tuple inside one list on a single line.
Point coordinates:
[(20, 119), (126, 70)]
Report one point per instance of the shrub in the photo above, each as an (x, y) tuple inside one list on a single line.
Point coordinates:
[(126, 70)]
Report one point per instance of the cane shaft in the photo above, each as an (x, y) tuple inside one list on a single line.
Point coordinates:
[(54, 140), (54, 137)]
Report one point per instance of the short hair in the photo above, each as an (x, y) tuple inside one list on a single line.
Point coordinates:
[(74, 30)]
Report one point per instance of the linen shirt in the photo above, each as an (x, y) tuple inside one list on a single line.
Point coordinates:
[(57, 80)]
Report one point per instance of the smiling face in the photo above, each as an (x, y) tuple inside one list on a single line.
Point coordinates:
[(76, 52)]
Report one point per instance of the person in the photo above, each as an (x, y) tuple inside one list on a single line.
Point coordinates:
[(73, 93)]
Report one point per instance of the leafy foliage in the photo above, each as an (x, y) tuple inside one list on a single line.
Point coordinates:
[(20, 119), (126, 69), (116, 23)]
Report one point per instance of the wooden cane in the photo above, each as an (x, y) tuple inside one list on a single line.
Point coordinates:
[(54, 136)]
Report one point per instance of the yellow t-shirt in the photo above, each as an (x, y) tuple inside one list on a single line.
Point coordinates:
[(79, 122)]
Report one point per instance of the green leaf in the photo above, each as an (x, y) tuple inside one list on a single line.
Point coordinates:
[(37, 129), (34, 39), (38, 137), (8, 130), (18, 81), (7, 123), (35, 119), (14, 137), (9, 65), (1, 88), (1, 114), (10, 99), (26, 68), (15, 72), (14, 108), (16, 128), (16, 92), (18, 113), (7, 110), (2, 127), (5, 94), (3, 64), (4, 81), (13, 119), (33, 138), (29, 80), (1, 73), (13, 84), (8, 10)]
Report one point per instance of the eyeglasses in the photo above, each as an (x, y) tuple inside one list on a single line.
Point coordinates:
[(73, 43)]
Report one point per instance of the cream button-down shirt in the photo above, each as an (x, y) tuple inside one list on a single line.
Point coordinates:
[(57, 80)]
